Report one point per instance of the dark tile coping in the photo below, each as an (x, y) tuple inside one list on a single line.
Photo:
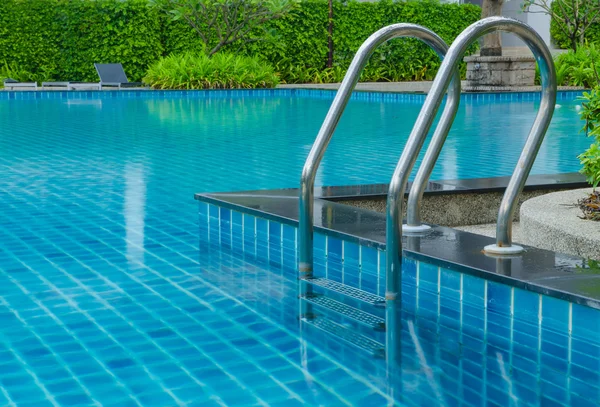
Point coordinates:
[(542, 271), (572, 180)]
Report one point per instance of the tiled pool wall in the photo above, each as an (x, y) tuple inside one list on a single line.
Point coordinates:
[(261, 93), (484, 334)]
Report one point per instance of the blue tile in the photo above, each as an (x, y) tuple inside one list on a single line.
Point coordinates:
[(351, 253), (555, 314), (320, 242), (225, 214), (262, 227), (428, 277), (586, 323), (213, 211), (409, 272), (249, 225), (369, 259), (237, 217), (289, 236), (473, 290), (334, 248), (526, 306), (499, 298), (449, 280), (274, 232)]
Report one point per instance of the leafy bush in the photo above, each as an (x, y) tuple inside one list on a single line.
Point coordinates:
[(219, 71), (298, 45), (577, 68), (223, 22), (60, 39), (590, 159), (13, 71), (107, 31)]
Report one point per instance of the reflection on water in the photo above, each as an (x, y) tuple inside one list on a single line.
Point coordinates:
[(134, 212)]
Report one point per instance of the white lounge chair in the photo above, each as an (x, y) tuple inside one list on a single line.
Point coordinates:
[(11, 84), (51, 85), (84, 86)]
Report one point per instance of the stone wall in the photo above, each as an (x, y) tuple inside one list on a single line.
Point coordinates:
[(500, 71)]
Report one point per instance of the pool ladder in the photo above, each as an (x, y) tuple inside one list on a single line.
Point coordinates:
[(447, 79)]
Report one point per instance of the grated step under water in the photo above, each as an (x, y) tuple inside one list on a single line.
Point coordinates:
[(347, 311), (351, 292), (347, 335)]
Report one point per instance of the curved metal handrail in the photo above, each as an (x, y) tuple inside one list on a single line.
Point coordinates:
[(413, 213), (305, 236), (428, 111)]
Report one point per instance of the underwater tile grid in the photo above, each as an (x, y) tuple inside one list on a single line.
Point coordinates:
[(482, 343), (106, 300)]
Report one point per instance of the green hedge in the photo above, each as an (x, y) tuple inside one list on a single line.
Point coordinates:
[(61, 39), (592, 34), (300, 39)]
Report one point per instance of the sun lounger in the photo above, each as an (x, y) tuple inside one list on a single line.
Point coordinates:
[(84, 86), (11, 84), (50, 85), (114, 75)]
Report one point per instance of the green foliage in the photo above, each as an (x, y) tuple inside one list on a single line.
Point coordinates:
[(62, 39), (577, 68), (29, 30), (586, 10), (107, 31), (219, 23), (219, 71), (590, 159), (13, 71), (297, 43)]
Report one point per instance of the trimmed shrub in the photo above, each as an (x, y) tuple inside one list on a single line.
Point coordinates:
[(107, 31), (219, 71), (62, 39)]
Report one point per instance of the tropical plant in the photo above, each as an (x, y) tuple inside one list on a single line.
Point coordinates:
[(222, 22), (577, 68), (571, 17), (219, 71), (590, 159), (13, 71)]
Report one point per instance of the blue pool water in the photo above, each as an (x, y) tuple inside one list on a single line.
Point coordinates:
[(105, 298)]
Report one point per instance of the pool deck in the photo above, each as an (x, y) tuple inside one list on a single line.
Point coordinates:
[(413, 87)]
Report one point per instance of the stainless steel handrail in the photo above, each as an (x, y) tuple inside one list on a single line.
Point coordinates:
[(504, 232), (428, 111), (305, 236)]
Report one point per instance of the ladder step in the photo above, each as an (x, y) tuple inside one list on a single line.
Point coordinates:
[(347, 311), (348, 291), (347, 335)]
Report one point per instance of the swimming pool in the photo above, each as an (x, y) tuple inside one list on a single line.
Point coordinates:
[(106, 299)]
